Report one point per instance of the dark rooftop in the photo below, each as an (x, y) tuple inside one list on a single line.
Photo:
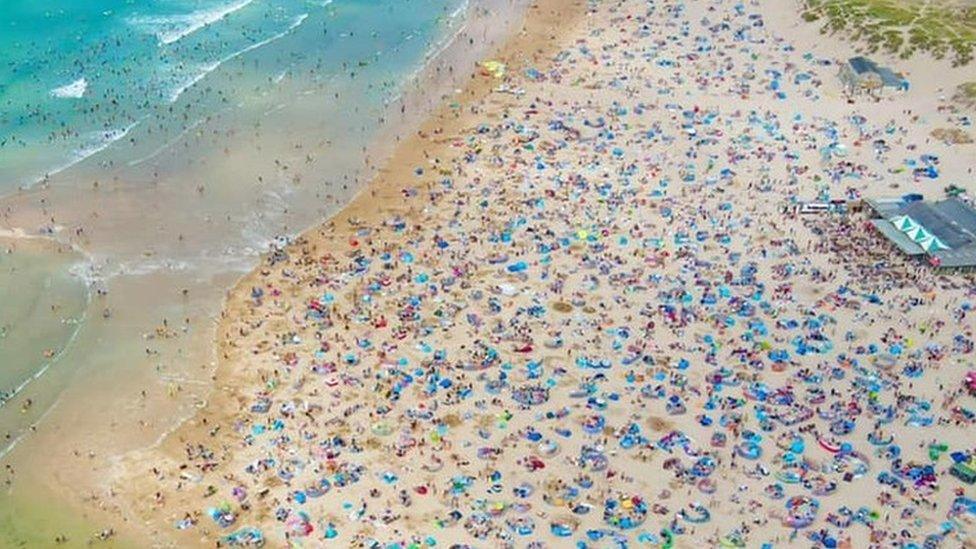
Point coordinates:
[(952, 221), (862, 65)]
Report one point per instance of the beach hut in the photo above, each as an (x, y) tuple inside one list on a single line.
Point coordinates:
[(860, 74), (943, 233)]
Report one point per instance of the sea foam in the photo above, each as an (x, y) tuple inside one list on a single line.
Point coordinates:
[(207, 68), (173, 28), (73, 90), (96, 142)]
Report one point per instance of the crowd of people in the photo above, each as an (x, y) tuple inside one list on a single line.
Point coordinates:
[(587, 317)]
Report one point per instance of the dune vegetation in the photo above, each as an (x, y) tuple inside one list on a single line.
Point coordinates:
[(945, 29), (966, 95)]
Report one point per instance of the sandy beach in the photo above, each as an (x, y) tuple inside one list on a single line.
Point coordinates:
[(578, 306)]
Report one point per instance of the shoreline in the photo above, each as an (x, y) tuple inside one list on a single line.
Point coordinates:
[(221, 404)]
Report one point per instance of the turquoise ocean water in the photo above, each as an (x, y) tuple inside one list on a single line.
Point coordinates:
[(164, 144), (76, 77)]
